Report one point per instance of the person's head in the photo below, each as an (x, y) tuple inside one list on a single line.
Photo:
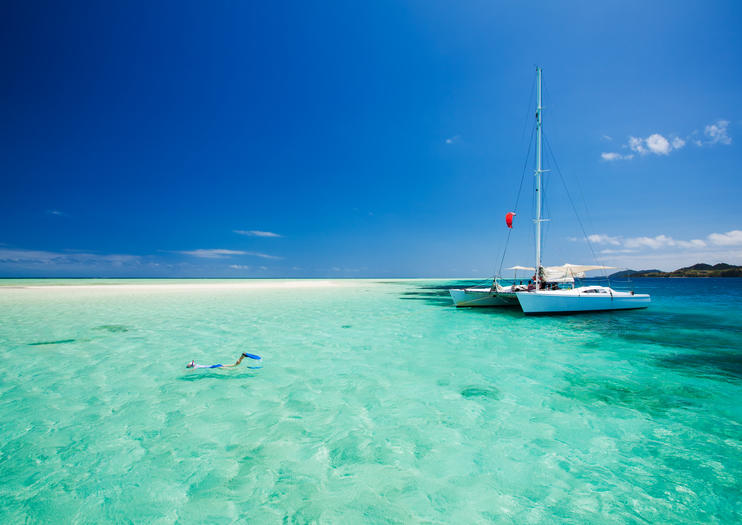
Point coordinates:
[(191, 364)]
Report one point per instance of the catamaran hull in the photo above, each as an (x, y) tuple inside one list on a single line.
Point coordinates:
[(556, 302), (482, 297)]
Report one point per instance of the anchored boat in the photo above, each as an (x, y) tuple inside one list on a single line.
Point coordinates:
[(552, 288)]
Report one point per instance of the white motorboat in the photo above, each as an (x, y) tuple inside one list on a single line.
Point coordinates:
[(551, 289)]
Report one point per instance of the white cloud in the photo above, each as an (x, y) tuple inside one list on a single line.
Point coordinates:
[(637, 144), (263, 255), (658, 144), (216, 253), (671, 260), (694, 243), (661, 241), (600, 238), (42, 257), (57, 213), (616, 156), (257, 233), (239, 267), (624, 250), (666, 253), (220, 253), (451, 140), (607, 138), (655, 143), (648, 242), (717, 132), (731, 238)]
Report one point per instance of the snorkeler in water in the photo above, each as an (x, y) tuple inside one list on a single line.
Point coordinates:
[(193, 364)]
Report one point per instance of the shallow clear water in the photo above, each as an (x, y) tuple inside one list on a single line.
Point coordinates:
[(378, 402)]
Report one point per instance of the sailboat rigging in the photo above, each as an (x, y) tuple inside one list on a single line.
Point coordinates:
[(552, 288)]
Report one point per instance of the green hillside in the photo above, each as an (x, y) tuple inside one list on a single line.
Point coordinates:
[(697, 270)]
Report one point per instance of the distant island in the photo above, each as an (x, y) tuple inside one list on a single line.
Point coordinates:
[(697, 270)]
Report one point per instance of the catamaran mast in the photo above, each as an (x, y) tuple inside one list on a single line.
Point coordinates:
[(539, 171)]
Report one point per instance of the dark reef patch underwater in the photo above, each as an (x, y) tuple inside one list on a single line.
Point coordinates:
[(59, 342), (113, 328)]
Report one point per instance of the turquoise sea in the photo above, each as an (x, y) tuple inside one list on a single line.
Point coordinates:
[(378, 402)]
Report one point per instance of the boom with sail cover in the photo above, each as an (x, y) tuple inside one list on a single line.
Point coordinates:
[(567, 273)]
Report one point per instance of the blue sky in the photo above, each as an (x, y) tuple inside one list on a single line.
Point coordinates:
[(349, 139)]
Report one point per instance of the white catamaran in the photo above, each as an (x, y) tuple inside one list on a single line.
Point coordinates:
[(552, 288)]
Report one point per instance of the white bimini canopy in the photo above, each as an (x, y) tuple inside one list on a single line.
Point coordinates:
[(566, 273)]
